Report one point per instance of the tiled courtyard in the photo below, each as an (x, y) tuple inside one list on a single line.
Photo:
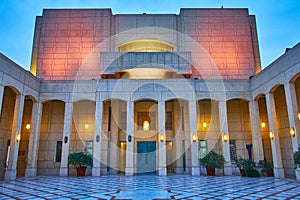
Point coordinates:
[(150, 187)]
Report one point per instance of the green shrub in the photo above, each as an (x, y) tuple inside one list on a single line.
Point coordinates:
[(252, 173), (80, 159), (297, 158), (212, 160)]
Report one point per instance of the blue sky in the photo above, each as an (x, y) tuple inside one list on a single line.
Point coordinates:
[(278, 22)]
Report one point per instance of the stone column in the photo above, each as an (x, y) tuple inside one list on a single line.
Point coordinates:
[(96, 170), (292, 108), (195, 168), (1, 97), (275, 143), (178, 139), (224, 130), (34, 139), (11, 172), (66, 139), (162, 157), (114, 138), (130, 169), (258, 150)]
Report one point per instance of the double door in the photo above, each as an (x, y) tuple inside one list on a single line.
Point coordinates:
[(146, 157)]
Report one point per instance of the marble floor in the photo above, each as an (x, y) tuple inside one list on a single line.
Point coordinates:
[(150, 187)]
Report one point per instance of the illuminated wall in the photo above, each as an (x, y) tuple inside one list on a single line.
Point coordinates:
[(67, 42)]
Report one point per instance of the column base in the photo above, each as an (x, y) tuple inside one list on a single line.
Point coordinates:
[(129, 171), (179, 170), (297, 171), (113, 171), (30, 172), (278, 172), (162, 171), (10, 175), (63, 171), (195, 171), (227, 170), (96, 171)]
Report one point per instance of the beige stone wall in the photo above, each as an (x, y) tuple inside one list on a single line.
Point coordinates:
[(51, 132)]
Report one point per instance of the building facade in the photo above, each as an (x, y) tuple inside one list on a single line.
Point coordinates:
[(147, 93)]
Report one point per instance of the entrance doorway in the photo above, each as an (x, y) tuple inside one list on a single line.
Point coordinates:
[(146, 157), (122, 156)]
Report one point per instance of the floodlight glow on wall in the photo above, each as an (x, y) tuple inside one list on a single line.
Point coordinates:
[(292, 132), (271, 135), (18, 137), (146, 126), (263, 124), (225, 137), (194, 137), (162, 137)]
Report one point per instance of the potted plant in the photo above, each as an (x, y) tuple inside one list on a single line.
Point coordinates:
[(80, 160), (240, 163), (250, 169), (266, 167), (211, 161), (297, 163)]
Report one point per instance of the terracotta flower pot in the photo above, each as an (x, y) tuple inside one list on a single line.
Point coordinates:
[(210, 171), (269, 172), (80, 171), (242, 171)]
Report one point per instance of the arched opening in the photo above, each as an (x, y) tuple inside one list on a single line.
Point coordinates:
[(6, 121), (239, 128), (146, 46), (51, 136), (25, 135)]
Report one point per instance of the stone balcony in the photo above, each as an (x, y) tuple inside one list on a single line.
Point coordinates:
[(112, 62)]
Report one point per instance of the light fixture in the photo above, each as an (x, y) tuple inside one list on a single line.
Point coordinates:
[(146, 126), (18, 137), (298, 115), (97, 138), (271, 135), (162, 137), (263, 124), (65, 139), (225, 137), (194, 137), (27, 126), (292, 132), (204, 124), (86, 126)]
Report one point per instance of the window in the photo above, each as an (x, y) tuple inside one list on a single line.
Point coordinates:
[(89, 147), (58, 151), (143, 116), (203, 148), (169, 121), (232, 147)]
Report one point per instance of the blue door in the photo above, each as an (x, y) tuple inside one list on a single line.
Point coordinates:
[(146, 157)]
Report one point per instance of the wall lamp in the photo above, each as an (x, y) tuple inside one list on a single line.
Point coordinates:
[(97, 138), (129, 138), (298, 115), (18, 137), (204, 124), (65, 139), (225, 137), (27, 126), (263, 124), (271, 135), (146, 126), (162, 137), (292, 132), (194, 138)]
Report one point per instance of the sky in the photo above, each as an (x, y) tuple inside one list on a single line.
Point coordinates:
[(278, 22)]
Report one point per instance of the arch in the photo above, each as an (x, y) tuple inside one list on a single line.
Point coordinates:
[(146, 45), (146, 99), (179, 99), (295, 77), (80, 100), (260, 95), (14, 89), (30, 97), (241, 99), (49, 100), (114, 99), (275, 87), (206, 98)]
